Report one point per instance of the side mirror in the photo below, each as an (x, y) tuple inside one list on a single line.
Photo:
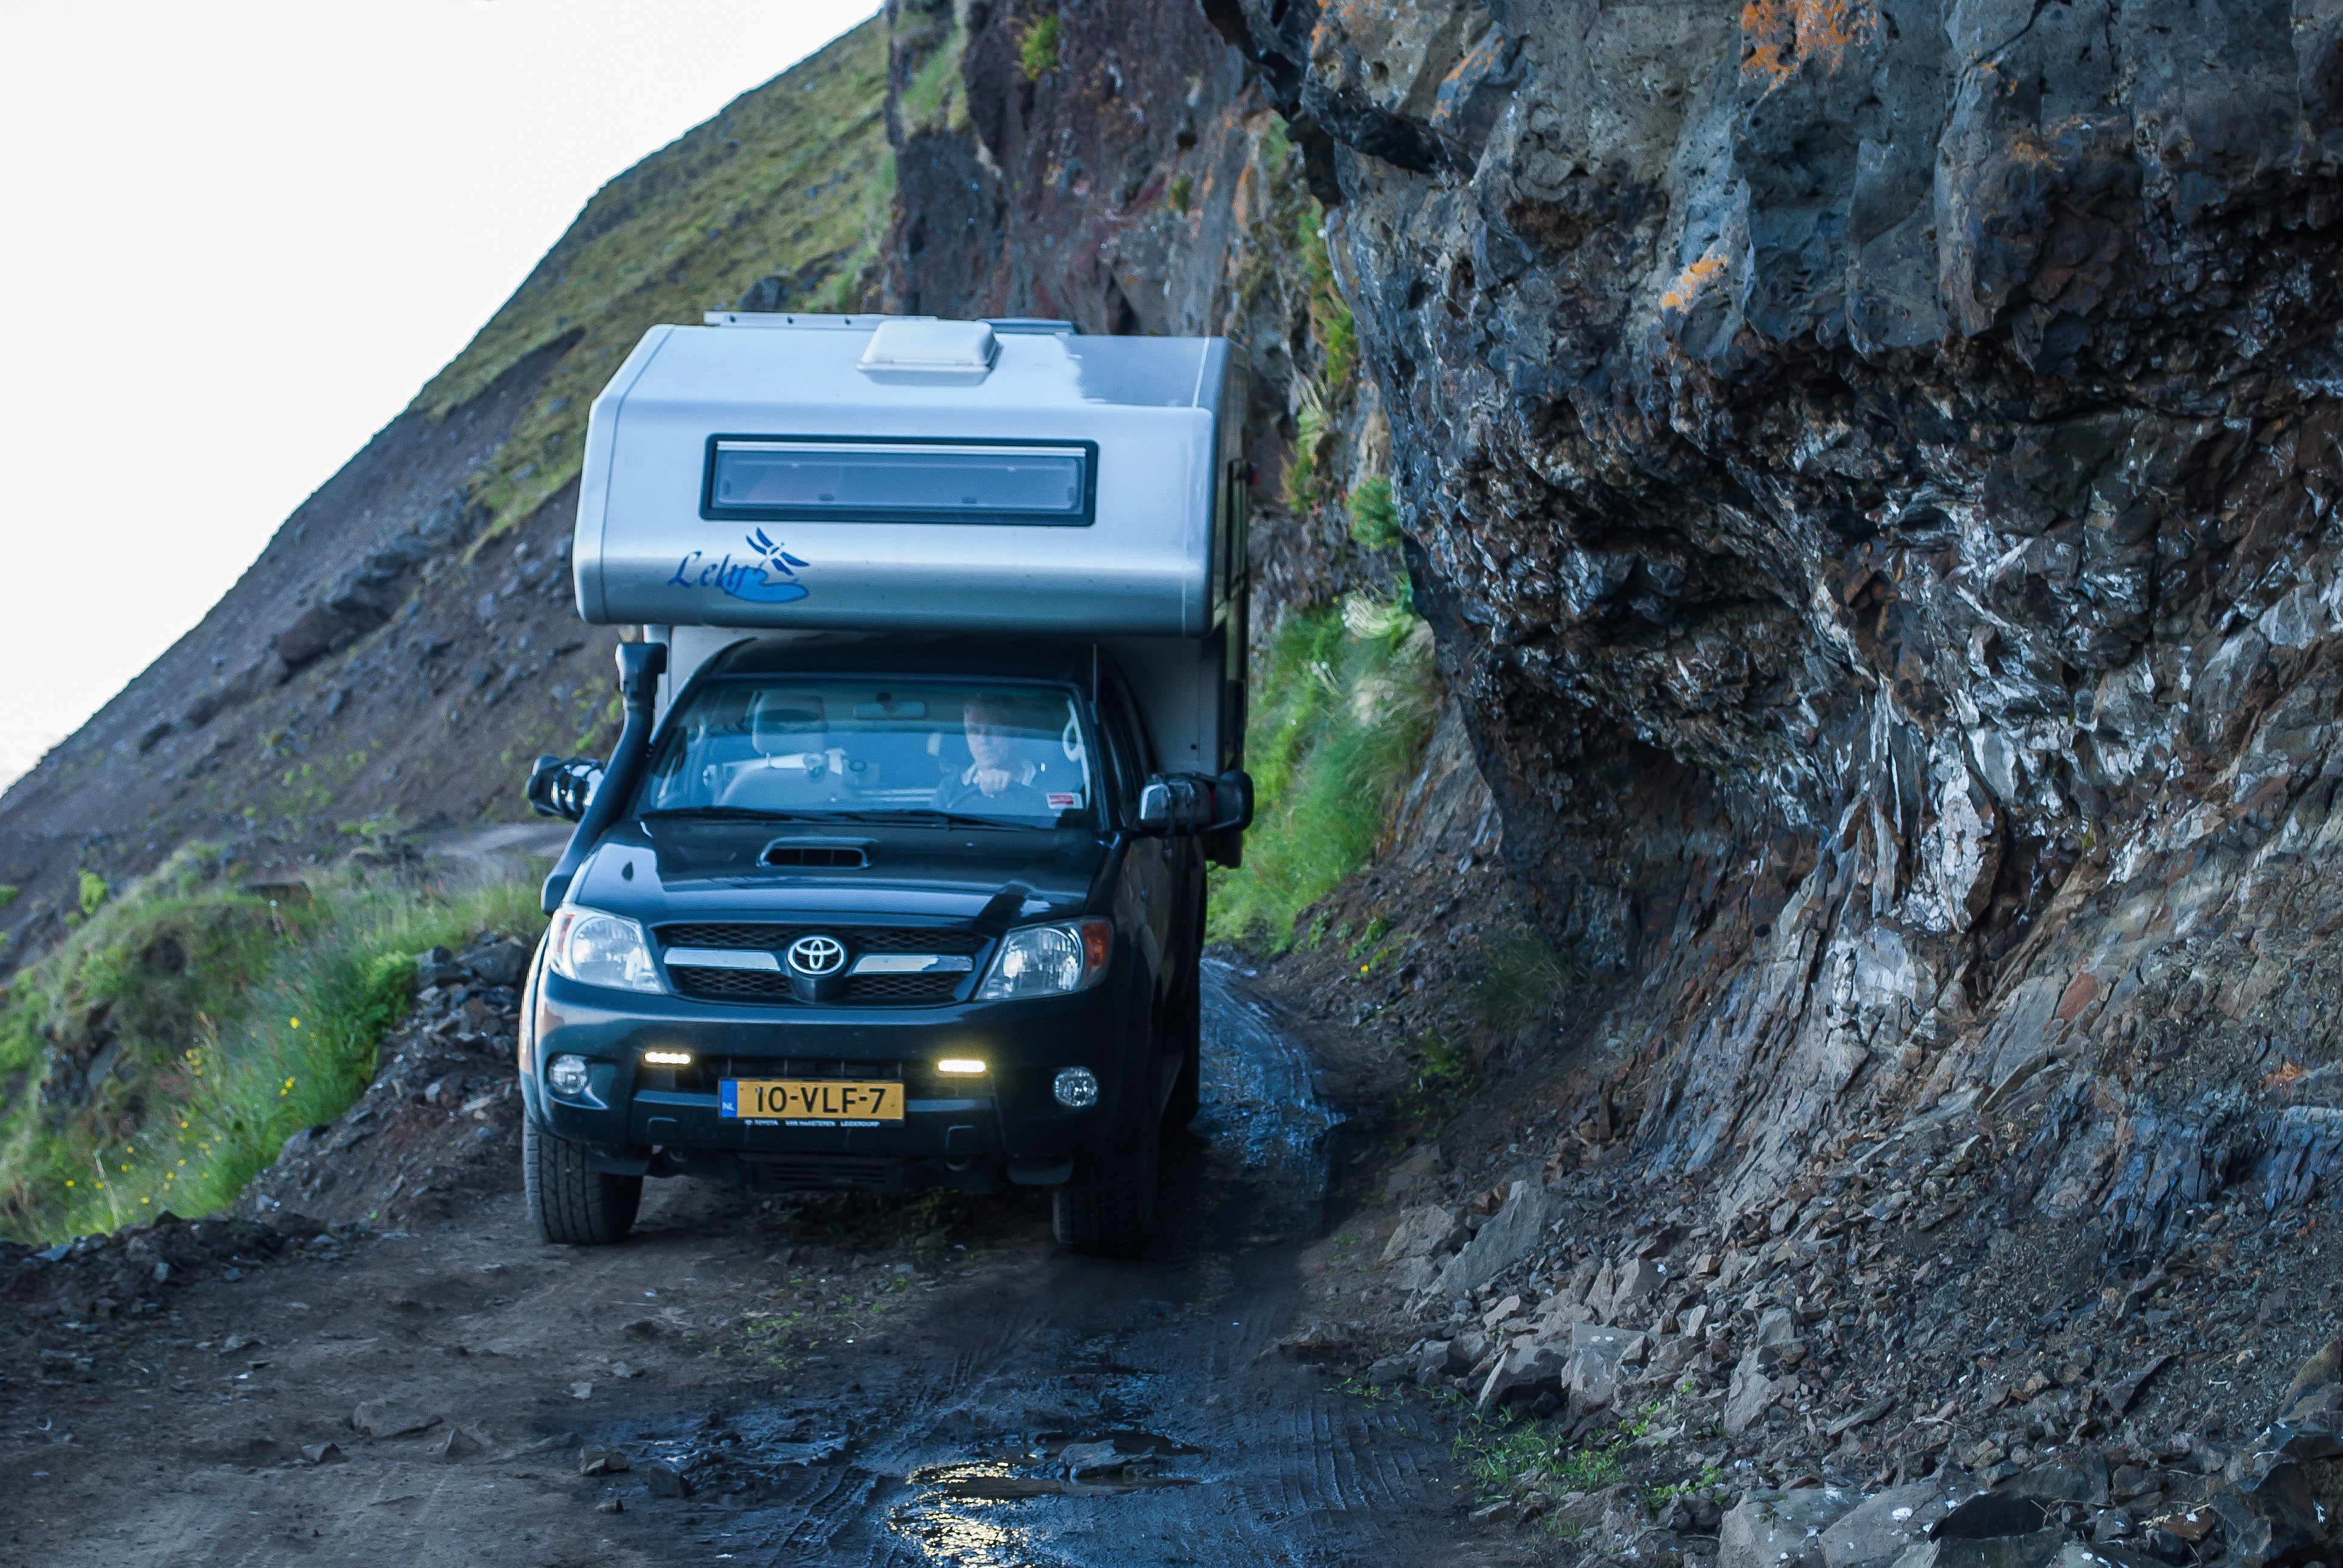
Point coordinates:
[(561, 786), (1175, 805), (1232, 801)]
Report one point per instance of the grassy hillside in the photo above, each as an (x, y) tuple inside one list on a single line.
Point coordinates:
[(161, 1056), (793, 181)]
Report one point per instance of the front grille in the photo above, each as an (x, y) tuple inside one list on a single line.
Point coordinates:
[(861, 991), (732, 985), (902, 988), (859, 939)]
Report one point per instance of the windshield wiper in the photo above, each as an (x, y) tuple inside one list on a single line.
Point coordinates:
[(731, 813)]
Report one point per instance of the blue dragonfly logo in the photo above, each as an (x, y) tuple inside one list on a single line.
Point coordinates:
[(769, 578)]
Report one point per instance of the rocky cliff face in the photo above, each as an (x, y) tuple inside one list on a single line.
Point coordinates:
[(1871, 466)]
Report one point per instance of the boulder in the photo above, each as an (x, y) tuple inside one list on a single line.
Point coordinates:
[(1510, 1233), (499, 962), (1599, 1291), (1637, 1281), (1416, 1275), (437, 966), (1438, 1358), (2081, 1477), (381, 1418), (1420, 1165), (666, 1481), (1780, 1529), (2032, 1549), (1746, 1401), (1672, 1354), (1884, 1527), (1425, 1232), (1597, 1354), (1524, 1374)]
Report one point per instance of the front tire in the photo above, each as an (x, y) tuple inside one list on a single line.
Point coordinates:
[(571, 1203), (1186, 1034), (1108, 1209)]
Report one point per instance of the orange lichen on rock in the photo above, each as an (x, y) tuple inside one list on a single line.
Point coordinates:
[(1777, 35), (1692, 280)]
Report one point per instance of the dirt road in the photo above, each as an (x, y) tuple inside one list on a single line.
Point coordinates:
[(867, 1382)]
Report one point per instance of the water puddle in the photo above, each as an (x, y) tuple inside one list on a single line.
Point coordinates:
[(1097, 1465)]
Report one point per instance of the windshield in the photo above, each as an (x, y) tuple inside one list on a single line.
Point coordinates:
[(863, 749)]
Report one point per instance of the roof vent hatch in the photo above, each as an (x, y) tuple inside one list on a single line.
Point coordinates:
[(931, 351)]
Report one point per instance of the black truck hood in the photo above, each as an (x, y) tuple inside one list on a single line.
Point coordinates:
[(704, 870)]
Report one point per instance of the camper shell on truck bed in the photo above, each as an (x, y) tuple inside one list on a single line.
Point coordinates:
[(896, 876), (769, 475)]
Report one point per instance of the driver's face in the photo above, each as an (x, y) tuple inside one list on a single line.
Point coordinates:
[(988, 738)]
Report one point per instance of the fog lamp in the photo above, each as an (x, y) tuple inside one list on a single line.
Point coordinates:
[(1076, 1088), (566, 1075), (960, 1067)]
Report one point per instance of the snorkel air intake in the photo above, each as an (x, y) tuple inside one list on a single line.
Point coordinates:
[(640, 665)]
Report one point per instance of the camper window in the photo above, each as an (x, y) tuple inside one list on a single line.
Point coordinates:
[(899, 482), (860, 749)]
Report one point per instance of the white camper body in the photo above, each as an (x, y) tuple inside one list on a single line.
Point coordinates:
[(775, 475)]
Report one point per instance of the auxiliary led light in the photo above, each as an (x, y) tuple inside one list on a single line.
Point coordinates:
[(960, 1067), (667, 1058)]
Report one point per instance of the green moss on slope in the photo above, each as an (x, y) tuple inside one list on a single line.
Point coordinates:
[(794, 179)]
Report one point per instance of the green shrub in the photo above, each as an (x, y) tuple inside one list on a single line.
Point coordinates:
[(1332, 324), (1375, 515), (93, 892), (1181, 188), (230, 1026), (1518, 981), (8, 892), (1341, 701), (1036, 50), (1313, 432)]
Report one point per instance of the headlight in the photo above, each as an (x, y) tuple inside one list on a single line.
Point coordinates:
[(595, 949), (1048, 960)]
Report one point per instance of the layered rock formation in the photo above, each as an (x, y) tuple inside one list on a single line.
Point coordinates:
[(1870, 465)]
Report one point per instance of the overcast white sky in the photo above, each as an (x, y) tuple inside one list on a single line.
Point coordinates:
[(239, 235)]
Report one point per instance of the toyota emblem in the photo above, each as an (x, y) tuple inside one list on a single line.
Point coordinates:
[(815, 956)]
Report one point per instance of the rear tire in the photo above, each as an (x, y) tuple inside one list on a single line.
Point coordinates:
[(571, 1203), (1108, 1209)]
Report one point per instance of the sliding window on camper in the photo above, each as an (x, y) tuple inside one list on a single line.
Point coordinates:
[(852, 480)]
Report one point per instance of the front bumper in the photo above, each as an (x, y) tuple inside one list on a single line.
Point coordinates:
[(958, 1132)]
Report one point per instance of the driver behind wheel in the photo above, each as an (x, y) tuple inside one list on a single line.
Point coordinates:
[(1002, 773)]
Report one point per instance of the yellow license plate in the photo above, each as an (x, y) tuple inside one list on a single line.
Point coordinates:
[(809, 1101)]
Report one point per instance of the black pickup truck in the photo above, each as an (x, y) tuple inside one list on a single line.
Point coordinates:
[(881, 914)]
